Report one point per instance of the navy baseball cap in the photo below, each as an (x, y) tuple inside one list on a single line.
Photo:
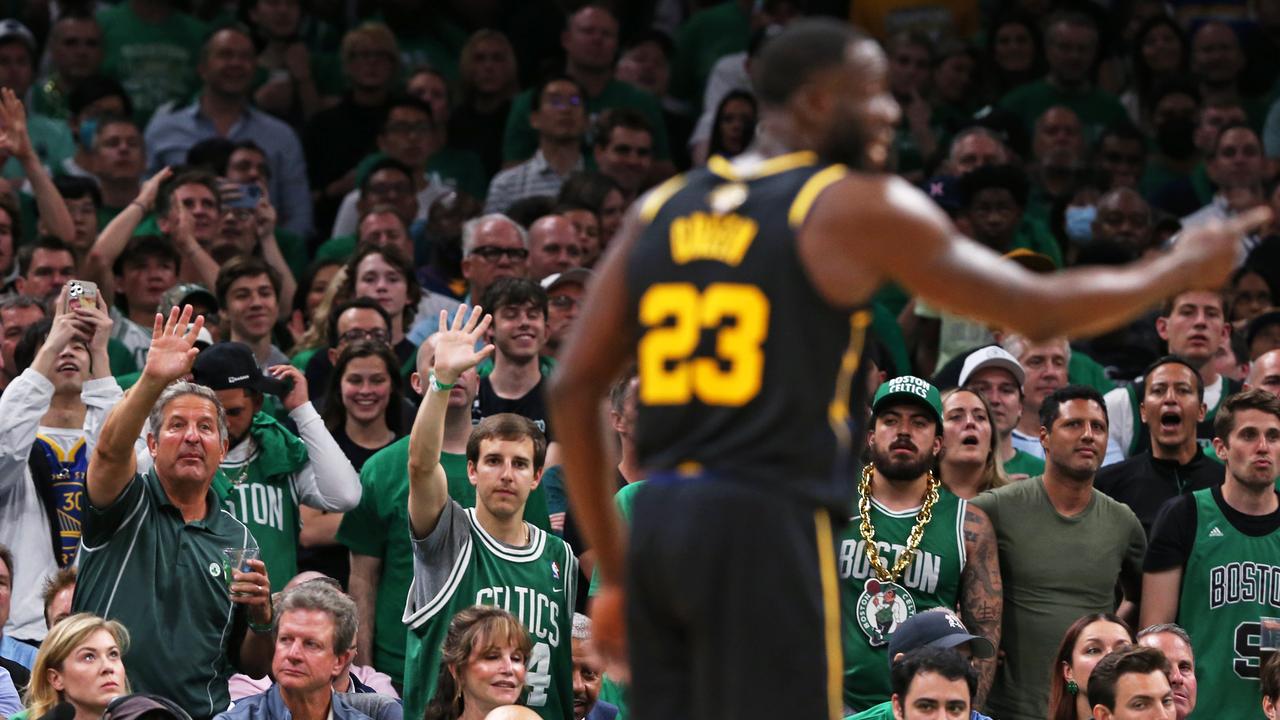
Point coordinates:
[(936, 629)]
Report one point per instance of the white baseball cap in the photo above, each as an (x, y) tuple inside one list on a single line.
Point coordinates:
[(992, 356)]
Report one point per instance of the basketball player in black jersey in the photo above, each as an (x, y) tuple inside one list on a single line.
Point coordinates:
[(740, 292)]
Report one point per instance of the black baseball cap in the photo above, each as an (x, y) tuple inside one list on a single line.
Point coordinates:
[(936, 629), (231, 365)]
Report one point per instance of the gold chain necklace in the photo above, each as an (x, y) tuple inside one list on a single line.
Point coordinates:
[(913, 540)]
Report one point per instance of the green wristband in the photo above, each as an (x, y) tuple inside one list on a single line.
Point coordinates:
[(434, 384)]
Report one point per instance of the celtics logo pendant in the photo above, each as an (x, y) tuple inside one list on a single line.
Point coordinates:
[(882, 607)]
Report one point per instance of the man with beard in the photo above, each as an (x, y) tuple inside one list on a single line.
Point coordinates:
[(1194, 325), (712, 282), (268, 471), (900, 554), (1067, 544), (1212, 565), (1172, 405)]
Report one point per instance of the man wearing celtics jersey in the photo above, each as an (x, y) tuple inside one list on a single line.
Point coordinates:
[(911, 544), (268, 471), (487, 555), (1214, 561)]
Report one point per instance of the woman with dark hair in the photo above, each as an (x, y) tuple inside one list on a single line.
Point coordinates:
[(1086, 641), (311, 289), (362, 406), (1015, 55), (386, 275), (735, 124), (599, 192), (1249, 292), (1159, 54), (482, 664)]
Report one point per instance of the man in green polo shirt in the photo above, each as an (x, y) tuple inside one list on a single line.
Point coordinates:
[(377, 530), (151, 547)]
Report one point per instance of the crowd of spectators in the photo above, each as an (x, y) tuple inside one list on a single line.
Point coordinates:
[(315, 196)]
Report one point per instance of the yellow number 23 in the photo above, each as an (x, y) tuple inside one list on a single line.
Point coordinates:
[(674, 316)]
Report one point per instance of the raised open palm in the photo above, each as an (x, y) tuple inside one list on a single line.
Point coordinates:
[(13, 126), (173, 347), (456, 345)]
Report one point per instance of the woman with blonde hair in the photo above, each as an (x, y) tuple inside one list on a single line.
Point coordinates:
[(482, 664), (968, 464), (80, 662)]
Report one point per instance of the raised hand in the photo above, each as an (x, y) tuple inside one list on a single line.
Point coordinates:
[(297, 394), (13, 127), (456, 346), (151, 189), (1213, 250), (173, 347), (95, 317)]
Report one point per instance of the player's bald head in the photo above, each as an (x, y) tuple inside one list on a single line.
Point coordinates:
[(803, 50), (512, 712)]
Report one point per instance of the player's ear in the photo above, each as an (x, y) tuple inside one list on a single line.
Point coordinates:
[(471, 471), (898, 712), (537, 479)]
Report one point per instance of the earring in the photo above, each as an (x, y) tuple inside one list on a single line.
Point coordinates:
[(1073, 688)]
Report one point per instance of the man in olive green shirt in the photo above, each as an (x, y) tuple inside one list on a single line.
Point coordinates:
[(151, 553)]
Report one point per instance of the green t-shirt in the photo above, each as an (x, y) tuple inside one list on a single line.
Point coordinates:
[(1024, 463), (1095, 108), (463, 168), (52, 142), (883, 711), (379, 527), (339, 248), (868, 614), (261, 495), (519, 140), (623, 499), (155, 62), (1084, 370), (1055, 569)]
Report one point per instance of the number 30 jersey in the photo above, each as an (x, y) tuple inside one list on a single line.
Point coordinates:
[(745, 370)]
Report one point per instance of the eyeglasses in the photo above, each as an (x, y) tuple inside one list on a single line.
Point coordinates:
[(491, 253), (377, 335)]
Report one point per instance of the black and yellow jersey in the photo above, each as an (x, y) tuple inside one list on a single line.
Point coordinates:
[(745, 370)]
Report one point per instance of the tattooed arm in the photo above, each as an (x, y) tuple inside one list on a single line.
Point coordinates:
[(981, 591)]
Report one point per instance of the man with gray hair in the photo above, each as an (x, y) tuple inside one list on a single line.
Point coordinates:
[(152, 547), (493, 247), (315, 640), (1044, 367), (1175, 643), (588, 675)]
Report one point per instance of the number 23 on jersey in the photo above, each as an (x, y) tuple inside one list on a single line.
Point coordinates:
[(674, 316)]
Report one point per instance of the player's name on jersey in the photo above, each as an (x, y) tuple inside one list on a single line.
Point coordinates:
[(1244, 582), (922, 573), (259, 504), (538, 612), (704, 236)]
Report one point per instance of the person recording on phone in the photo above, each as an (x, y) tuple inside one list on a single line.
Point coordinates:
[(154, 539), (53, 412), (267, 471)]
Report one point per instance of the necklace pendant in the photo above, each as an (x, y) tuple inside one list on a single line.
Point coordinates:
[(882, 607)]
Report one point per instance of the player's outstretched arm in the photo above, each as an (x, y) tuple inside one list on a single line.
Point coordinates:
[(455, 354), (878, 229), (594, 356), (981, 591)]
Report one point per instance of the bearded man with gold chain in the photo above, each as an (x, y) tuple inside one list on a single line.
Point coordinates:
[(911, 544)]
